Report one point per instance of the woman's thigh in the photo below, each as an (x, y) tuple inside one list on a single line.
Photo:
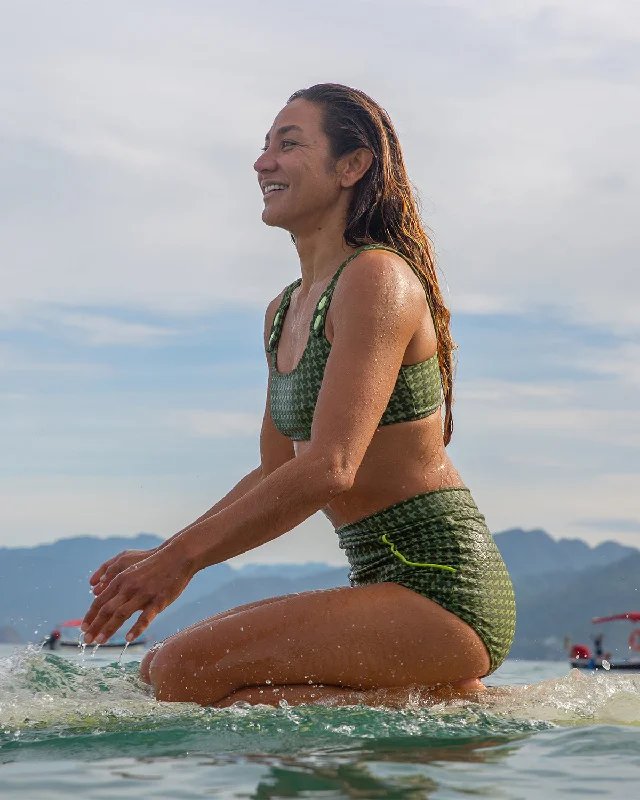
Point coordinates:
[(364, 637), (145, 665)]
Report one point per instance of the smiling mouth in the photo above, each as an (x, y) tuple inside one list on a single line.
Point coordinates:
[(270, 188)]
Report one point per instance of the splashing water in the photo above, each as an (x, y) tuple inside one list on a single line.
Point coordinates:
[(574, 699), (124, 650), (52, 703)]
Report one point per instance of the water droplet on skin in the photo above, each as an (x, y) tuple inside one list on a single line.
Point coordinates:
[(268, 682)]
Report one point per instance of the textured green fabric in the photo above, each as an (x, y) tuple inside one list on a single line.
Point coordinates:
[(293, 396), (442, 529)]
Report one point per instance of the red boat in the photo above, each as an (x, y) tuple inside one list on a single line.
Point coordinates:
[(582, 657)]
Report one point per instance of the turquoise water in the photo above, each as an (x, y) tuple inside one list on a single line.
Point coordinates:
[(73, 724)]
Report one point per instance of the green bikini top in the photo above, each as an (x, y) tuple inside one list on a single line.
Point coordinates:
[(293, 395)]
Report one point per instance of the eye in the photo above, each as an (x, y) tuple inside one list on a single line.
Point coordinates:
[(284, 144)]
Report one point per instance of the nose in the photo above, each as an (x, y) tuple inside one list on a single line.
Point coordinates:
[(266, 162)]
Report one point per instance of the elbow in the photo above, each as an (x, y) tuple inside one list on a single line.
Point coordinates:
[(330, 474), (338, 479), (340, 484)]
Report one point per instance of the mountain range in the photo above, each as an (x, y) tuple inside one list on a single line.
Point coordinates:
[(560, 585)]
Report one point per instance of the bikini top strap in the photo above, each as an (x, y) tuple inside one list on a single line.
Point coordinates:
[(319, 317), (278, 318)]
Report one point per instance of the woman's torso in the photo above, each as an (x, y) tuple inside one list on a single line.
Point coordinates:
[(403, 459)]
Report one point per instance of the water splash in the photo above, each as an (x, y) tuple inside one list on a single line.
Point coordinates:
[(574, 699), (52, 702), (123, 651)]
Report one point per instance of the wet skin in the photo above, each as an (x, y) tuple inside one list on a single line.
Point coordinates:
[(365, 638)]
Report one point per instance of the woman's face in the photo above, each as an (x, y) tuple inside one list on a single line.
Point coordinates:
[(296, 172)]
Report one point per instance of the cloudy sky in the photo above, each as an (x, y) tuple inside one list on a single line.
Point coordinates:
[(135, 270)]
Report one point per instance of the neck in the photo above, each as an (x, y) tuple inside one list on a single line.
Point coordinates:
[(321, 249)]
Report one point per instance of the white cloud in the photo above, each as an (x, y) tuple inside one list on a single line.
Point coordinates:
[(127, 137), (563, 509), (99, 329), (621, 362), (498, 392), (202, 423), (130, 157), (553, 410), (566, 414), (13, 359)]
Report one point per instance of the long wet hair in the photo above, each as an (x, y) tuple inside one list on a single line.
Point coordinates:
[(384, 209)]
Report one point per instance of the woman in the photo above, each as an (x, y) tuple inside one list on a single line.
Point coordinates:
[(360, 360)]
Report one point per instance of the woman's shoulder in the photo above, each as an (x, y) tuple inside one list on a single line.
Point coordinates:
[(380, 278)]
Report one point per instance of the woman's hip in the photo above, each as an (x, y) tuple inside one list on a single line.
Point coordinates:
[(438, 545)]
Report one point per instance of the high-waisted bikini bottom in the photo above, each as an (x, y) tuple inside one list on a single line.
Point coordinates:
[(438, 544)]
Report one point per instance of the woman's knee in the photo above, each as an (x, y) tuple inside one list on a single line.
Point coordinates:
[(173, 674), (145, 664), (181, 672)]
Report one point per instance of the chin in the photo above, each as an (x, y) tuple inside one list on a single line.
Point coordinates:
[(274, 220)]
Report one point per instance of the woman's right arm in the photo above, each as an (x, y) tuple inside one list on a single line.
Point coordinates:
[(275, 450)]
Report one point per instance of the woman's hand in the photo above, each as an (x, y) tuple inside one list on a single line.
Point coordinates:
[(103, 576), (149, 586)]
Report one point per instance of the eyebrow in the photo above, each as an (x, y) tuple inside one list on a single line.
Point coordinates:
[(284, 129)]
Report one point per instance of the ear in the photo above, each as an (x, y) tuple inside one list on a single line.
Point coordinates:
[(353, 166)]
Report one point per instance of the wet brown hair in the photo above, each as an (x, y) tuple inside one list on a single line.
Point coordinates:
[(384, 209)]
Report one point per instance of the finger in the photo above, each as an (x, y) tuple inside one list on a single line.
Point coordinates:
[(109, 574), (97, 575), (111, 617), (142, 623), (94, 609)]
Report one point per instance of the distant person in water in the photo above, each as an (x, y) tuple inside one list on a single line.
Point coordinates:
[(357, 419), (51, 640), (597, 645)]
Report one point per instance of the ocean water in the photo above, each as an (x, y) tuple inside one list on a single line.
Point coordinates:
[(87, 727)]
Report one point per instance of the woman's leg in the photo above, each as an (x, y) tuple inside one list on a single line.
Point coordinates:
[(153, 651), (398, 697), (364, 638)]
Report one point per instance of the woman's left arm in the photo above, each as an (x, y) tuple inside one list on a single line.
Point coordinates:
[(375, 314)]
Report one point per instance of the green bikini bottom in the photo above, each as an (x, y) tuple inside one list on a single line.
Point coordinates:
[(438, 544)]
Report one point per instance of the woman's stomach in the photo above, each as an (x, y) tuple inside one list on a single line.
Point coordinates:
[(402, 460)]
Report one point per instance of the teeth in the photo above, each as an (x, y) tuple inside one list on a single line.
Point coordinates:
[(272, 187)]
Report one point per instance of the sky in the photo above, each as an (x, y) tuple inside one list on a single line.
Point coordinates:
[(135, 269)]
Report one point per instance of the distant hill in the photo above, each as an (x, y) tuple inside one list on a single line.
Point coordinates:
[(549, 609), (559, 584), (45, 585), (535, 553), (9, 635)]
